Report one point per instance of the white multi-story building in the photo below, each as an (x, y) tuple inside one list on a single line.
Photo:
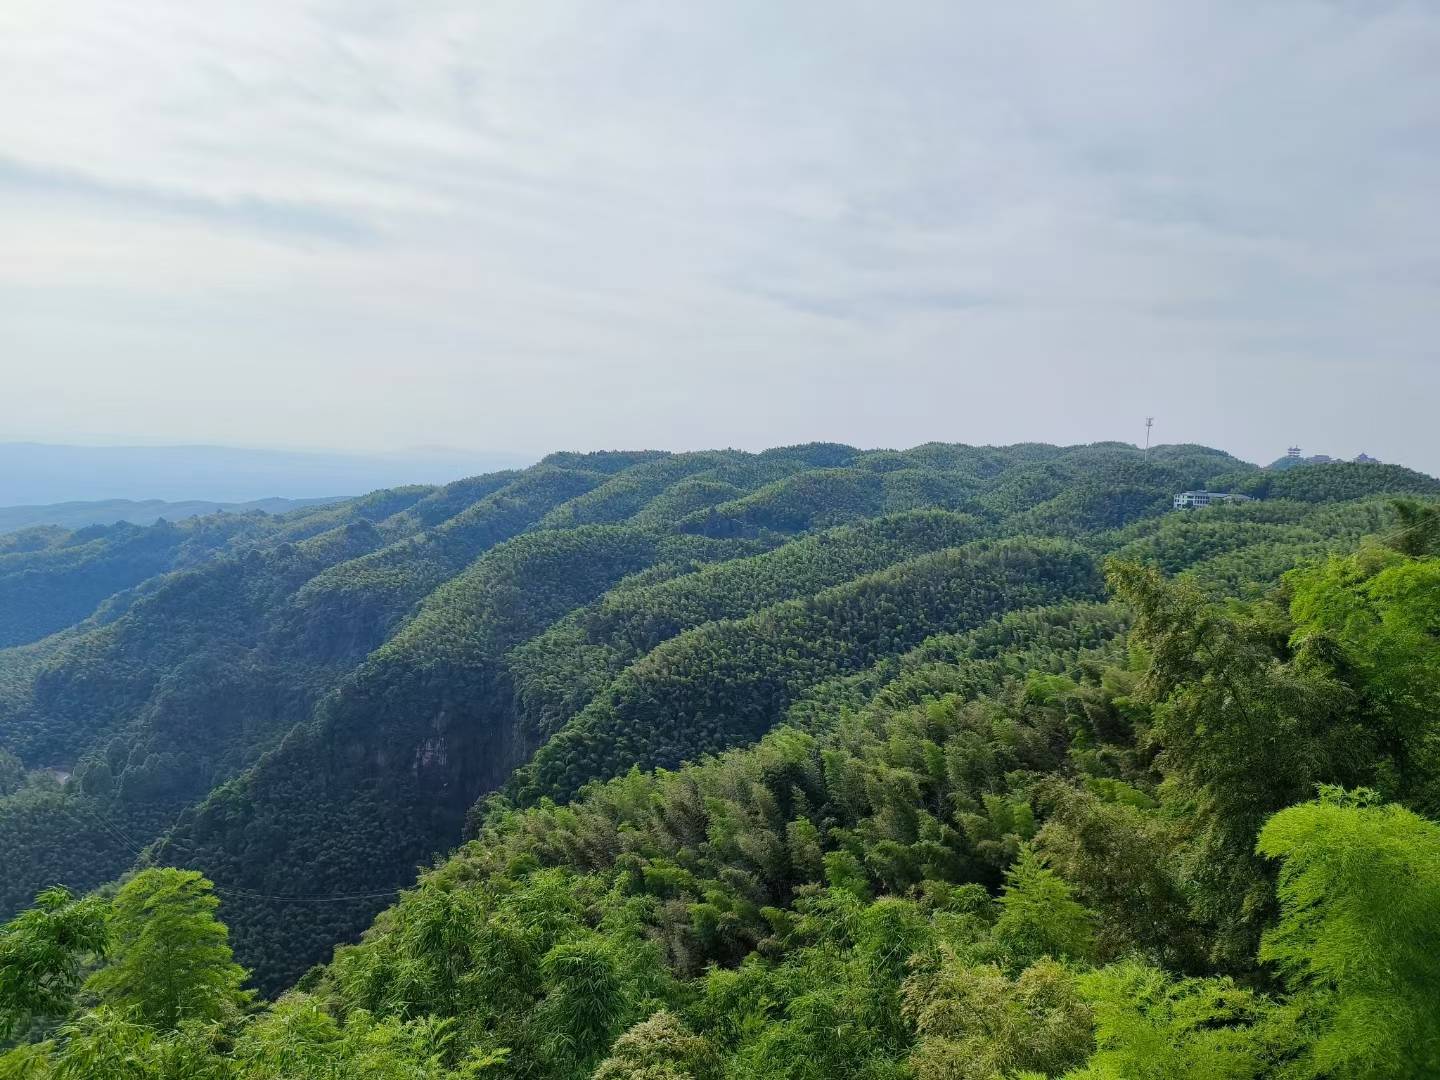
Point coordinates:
[(1194, 500)]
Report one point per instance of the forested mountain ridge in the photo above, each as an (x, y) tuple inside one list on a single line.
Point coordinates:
[(307, 706), (1185, 832)]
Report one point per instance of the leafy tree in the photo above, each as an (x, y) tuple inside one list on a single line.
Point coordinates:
[(1241, 734), (1038, 915), (43, 952), (1150, 1026), (661, 1048), (170, 958), (1359, 932), (1120, 859), (1419, 528), (1372, 619), (12, 773), (584, 1005), (300, 1040), (975, 1023)]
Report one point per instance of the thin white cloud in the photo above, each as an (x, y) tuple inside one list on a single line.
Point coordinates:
[(573, 223)]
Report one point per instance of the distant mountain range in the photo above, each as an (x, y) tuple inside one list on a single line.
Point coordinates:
[(1294, 459), (34, 474), (77, 515)]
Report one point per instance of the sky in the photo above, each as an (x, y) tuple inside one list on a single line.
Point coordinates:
[(525, 225)]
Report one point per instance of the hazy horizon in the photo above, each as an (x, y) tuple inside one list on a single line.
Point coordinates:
[(43, 474), (441, 452), (517, 229)]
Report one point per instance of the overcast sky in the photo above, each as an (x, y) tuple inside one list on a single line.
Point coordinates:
[(365, 224)]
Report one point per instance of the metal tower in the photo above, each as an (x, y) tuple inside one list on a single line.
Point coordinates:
[(1149, 423)]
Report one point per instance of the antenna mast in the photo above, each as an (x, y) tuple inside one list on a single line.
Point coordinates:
[(1149, 423)]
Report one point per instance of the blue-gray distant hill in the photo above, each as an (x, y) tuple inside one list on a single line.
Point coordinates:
[(44, 473), (77, 515)]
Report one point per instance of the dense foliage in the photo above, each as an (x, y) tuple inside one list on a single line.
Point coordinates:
[(307, 707), (1051, 845)]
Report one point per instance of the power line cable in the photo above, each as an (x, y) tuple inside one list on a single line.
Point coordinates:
[(253, 895)]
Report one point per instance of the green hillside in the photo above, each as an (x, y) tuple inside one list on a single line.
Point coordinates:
[(308, 707)]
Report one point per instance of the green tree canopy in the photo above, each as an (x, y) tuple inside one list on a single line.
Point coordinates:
[(42, 955), (1359, 932), (170, 957), (1038, 915)]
